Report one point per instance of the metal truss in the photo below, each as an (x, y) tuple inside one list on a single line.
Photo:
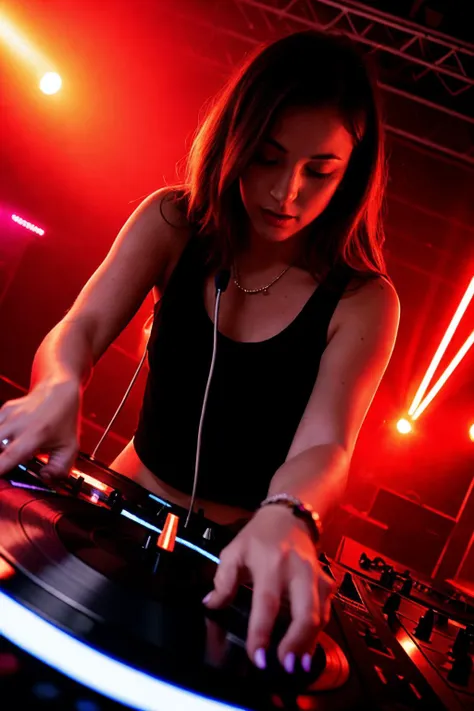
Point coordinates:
[(427, 77)]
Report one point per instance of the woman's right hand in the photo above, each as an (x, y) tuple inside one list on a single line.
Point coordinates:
[(46, 420)]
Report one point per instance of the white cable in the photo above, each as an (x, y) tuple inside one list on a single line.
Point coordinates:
[(122, 402), (203, 410)]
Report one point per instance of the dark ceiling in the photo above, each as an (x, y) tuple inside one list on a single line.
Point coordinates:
[(451, 17)]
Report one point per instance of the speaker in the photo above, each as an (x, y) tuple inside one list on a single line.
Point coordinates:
[(415, 534)]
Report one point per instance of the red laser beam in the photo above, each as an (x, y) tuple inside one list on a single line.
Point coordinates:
[(463, 304), (417, 400), (444, 376)]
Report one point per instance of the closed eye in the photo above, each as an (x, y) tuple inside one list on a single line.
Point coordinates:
[(263, 160), (316, 174)]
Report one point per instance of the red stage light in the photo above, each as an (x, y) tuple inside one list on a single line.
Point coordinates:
[(404, 426), (50, 83), (471, 433)]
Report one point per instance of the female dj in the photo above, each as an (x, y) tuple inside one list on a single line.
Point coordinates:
[(284, 189)]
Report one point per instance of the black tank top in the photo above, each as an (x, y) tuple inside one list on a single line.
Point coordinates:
[(257, 396)]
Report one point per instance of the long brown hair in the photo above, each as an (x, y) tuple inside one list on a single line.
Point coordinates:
[(308, 68)]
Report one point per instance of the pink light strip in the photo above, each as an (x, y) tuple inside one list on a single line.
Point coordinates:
[(27, 225)]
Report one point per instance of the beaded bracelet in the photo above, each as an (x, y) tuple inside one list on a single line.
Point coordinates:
[(301, 510)]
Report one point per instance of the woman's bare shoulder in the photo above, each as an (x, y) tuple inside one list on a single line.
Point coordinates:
[(374, 299)]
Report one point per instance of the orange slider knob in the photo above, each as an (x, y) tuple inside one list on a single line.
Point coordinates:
[(167, 537)]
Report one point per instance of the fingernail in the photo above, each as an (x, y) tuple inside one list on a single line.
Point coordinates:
[(306, 662), (259, 658), (206, 599), (289, 663)]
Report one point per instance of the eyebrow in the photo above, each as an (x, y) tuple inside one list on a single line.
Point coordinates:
[(319, 156)]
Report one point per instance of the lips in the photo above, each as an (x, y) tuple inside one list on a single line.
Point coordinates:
[(278, 215)]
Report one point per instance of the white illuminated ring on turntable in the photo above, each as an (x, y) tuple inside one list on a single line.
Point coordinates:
[(94, 669)]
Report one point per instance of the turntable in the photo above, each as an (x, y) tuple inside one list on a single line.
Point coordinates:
[(101, 589)]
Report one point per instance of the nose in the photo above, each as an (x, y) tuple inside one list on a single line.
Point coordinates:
[(285, 188)]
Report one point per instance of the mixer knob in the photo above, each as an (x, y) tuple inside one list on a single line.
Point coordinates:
[(461, 670), (425, 625), (348, 589), (373, 641), (364, 561), (392, 603), (208, 534), (406, 586), (388, 578), (461, 644), (326, 564), (167, 538)]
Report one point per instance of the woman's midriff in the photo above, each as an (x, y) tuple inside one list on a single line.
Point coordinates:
[(129, 464)]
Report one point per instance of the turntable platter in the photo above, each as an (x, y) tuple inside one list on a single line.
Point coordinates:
[(86, 569)]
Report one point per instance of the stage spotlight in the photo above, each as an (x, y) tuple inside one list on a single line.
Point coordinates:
[(50, 83), (403, 426), (471, 433)]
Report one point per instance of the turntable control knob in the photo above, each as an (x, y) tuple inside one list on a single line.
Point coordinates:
[(208, 534), (461, 670), (425, 625)]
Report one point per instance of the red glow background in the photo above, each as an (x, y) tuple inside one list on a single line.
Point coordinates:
[(77, 164)]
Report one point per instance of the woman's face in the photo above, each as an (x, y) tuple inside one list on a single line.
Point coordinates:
[(295, 171)]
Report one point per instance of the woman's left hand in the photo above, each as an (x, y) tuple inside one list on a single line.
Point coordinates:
[(276, 552)]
